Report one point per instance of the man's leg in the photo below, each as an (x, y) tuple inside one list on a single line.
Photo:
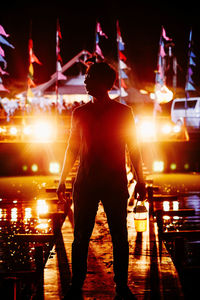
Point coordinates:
[(116, 211), (85, 209)]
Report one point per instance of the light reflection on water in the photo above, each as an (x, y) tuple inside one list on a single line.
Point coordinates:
[(15, 220)]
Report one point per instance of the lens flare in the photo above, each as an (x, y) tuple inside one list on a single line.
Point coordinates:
[(42, 207)]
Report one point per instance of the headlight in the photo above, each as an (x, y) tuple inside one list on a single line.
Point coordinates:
[(146, 130), (166, 129), (54, 167), (158, 166)]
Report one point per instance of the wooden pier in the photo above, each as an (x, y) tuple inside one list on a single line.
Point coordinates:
[(152, 274)]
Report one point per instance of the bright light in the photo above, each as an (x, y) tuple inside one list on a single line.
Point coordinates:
[(13, 131), (146, 130), (3, 214), (175, 205), (34, 168), (42, 226), (166, 218), (143, 92), (130, 176), (42, 131), (177, 128), (166, 128), (27, 130), (163, 94), (24, 168), (158, 166), (2, 130), (186, 166), (14, 214), (42, 207), (54, 167), (173, 166), (28, 214), (166, 205)]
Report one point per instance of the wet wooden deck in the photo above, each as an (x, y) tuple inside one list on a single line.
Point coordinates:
[(152, 274)]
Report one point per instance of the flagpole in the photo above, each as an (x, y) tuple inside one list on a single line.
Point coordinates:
[(187, 75), (30, 37), (57, 46), (119, 73), (95, 37)]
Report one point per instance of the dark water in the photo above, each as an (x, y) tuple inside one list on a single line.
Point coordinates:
[(189, 251)]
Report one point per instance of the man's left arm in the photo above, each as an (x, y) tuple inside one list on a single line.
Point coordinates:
[(135, 155)]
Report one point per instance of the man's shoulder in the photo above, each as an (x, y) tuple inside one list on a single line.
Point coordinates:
[(121, 107), (80, 109)]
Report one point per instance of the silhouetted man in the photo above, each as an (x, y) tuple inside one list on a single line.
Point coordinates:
[(100, 132)]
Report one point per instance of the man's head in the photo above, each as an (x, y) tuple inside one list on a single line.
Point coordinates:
[(99, 79)]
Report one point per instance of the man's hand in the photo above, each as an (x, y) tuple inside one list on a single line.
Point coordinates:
[(140, 191), (61, 192)]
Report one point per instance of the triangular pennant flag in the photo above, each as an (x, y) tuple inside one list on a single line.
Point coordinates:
[(162, 50), (123, 84), (3, 41), (3, 72), (2, 88), (192, 54), (190, 71), (31, 70), (98, 51), (189, 87), (31, 82), (121, 45), (30, 93), (122, 56), (190, 79), (99, 30), (190, 38), (122, 65), (123, 92), (60, 76), (159, 79), (4, 61), (32, 57), (2, 53), (123, 74), (2, 31), (164, 35), (191, 62), (97, 38)]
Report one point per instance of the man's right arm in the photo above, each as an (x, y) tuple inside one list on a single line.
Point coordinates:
[(71, 152)]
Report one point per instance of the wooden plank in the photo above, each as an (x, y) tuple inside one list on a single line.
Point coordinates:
[(189, 234), (40, 238), (180, 212), (162, 197)]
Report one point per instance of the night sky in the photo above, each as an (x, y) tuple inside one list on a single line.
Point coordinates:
[(140, 25)]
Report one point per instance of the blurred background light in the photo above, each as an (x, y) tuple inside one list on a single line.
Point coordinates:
[(158, 166), (54, 167)]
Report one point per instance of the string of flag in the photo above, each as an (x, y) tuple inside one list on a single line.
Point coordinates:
[(32, 59), (59, 61), (3, 36), (99, 33), (189, 85), (121, 65), (160, 73)]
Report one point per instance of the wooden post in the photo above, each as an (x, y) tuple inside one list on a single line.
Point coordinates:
[(40, 270)]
